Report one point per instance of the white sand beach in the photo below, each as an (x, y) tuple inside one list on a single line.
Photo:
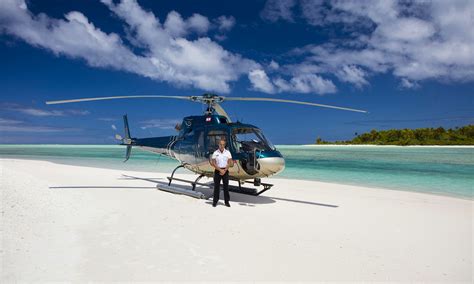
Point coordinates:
[(70, 223)]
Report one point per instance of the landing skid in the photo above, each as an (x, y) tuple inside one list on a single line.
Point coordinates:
[(238, 189), (248, 190)]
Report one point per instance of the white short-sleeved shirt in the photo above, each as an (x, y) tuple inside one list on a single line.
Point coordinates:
[(222, 157)]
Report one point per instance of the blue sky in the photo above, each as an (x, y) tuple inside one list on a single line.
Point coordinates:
[(410, 64)]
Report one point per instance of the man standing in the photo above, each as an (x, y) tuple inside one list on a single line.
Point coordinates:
[(221, 161)]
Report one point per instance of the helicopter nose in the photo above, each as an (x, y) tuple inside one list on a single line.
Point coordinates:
[(271, 165)]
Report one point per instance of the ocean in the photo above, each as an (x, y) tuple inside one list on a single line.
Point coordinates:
[(437, 170)]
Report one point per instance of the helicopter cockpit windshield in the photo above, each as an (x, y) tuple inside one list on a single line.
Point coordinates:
[(248, 139)]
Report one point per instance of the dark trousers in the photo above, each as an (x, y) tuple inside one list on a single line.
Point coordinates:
[(217, 181)]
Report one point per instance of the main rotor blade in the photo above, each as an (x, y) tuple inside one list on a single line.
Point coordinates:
[(116, 98), (291, 102)]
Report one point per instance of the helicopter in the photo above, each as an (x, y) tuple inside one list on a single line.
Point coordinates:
[(255, 157)]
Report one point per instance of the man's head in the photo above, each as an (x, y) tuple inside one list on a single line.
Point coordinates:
[(222, 143)]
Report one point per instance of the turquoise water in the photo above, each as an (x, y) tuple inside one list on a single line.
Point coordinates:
[(438, 170)]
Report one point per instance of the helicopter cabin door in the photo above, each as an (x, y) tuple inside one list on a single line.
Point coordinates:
[(200, 146), (187, 147)]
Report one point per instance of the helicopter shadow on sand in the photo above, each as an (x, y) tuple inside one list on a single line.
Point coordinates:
[(241, 199)]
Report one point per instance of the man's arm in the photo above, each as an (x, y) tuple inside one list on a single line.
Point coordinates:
[(213, 161), (214, 164), (230, 162)]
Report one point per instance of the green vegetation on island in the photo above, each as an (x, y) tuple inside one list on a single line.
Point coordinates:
[(420, 136)]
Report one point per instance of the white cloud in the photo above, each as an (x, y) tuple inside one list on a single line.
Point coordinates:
[(4, 121), (160, 123), (407, 84), (168, 55), (352, 74), (260, 81), (25, 128), (274, 65), (41, 112), (198, 23), (10, 125), (220, 37), (201, 62), (299, 83), (113, 127), (415, 41), (278, 9), (107, 119), (175, 25), (76, 112), (225, 23), (406, 29), (306, 83), (74, 37)]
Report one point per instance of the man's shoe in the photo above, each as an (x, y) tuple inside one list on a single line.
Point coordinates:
[(214, 204), (227, 204)]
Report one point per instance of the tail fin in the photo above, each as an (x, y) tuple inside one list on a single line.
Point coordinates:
[(128, 140)]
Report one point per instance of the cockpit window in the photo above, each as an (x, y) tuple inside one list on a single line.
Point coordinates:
[(248, 139)]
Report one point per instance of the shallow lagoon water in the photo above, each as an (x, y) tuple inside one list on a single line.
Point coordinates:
[(437, 170)]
